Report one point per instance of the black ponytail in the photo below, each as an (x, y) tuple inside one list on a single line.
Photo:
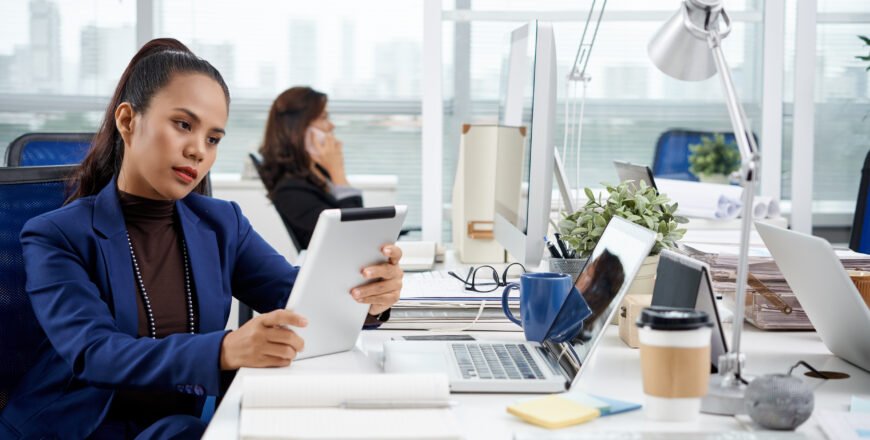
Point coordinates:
[(148, 72)]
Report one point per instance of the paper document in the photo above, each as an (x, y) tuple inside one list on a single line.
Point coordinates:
[(842, 425), (357, 424), (714, 201), (350, 406)]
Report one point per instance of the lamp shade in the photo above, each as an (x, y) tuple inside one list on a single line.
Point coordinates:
[(680, 53)]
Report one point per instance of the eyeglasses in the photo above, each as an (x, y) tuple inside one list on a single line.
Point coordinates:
[(486, 278)]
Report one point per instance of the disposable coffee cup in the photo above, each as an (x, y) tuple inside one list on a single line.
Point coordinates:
[(675, 361)]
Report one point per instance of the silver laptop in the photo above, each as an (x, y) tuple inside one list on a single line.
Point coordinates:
[(511, 367), (826, 293), (636, 173)]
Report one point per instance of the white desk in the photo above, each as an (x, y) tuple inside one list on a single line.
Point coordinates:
[(614, 371)]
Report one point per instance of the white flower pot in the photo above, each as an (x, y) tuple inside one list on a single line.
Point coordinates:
[(645, 280), (723, 179)]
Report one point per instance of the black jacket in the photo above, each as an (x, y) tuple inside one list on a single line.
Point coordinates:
[(299, 202)]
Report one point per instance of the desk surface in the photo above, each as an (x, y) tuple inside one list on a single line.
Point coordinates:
[(613, 371)]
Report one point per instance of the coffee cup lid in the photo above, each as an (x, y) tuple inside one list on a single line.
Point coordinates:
[(673, 318)]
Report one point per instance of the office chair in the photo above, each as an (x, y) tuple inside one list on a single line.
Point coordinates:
[(25, 192), (671, 160), (41, 149), (860, 239)]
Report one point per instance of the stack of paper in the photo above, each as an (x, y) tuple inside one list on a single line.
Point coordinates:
[(432, 299), (770, 302)]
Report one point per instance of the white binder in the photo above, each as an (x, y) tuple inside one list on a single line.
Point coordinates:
[(474, 191)]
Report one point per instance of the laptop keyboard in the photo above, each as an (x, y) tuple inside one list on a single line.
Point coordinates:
[(496, 361)]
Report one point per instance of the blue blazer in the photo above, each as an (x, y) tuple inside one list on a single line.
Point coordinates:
[(80, 281)]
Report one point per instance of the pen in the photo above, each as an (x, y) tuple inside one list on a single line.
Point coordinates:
[(553, 252), (396, 404), (561, 245)]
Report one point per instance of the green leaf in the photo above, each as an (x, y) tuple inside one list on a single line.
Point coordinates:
[(600, 221), (589, 194)]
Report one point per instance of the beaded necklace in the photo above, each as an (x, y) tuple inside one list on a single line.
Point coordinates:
[(149, 314)]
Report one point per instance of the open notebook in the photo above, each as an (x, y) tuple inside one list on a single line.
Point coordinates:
[(359, 406)]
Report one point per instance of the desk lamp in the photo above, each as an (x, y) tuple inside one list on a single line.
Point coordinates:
[(688, 47)]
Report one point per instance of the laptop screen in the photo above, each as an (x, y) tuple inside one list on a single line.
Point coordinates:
[(636, 173), (606, 277)]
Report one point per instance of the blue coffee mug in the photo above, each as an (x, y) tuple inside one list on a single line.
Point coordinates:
[(551, 308)]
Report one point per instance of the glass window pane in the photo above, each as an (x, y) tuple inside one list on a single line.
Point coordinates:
[(365, 55), (842, 97), (69, 48)]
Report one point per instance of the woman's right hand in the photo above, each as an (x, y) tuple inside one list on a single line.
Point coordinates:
[(264, 341), (331, 155)]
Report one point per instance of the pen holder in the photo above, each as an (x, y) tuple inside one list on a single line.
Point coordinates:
[(568, 266)]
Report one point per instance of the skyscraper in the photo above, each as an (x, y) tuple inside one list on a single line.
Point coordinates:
[(397, 69), (303, 52), (45, 46), (105, 52), (221, 55)]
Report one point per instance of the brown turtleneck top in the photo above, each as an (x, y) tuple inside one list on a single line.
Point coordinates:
[(156, 237)]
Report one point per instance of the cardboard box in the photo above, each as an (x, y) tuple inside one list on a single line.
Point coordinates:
[(627, 316)]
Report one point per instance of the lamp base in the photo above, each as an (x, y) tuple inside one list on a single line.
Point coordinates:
[(726, 400)]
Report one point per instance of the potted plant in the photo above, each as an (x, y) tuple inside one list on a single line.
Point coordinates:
[(866, 41), (713, 160), (636, 202)]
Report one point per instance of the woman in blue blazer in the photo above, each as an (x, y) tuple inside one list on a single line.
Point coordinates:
[(132, 280)]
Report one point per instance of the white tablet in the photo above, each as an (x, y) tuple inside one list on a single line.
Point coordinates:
[(344, 242)]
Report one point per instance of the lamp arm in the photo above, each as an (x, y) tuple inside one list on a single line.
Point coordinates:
[(749, 168), (584, 49)]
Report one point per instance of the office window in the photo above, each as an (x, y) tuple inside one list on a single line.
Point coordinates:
[(842, 101), (629, 102), (60, 61), (364, 55)]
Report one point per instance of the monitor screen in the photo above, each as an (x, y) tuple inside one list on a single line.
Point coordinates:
[(524, 168), (515, 110)]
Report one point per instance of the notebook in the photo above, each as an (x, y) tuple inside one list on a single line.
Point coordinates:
[(356, 406)]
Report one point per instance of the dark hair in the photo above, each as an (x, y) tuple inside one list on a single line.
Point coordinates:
[(148, 72), (283, 148), (607, 278)]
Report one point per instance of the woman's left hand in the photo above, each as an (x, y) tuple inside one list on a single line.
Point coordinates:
[(385, 291)]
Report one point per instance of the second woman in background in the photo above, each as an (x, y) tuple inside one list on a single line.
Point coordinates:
[(303, 162)]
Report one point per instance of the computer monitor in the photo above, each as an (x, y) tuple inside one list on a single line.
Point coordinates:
[(521, 222)]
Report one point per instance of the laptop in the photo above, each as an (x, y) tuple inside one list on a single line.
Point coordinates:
[(825, 291), (637, 173), (528, 367)]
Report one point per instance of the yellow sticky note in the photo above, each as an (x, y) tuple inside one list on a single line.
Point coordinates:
[(553, 412)]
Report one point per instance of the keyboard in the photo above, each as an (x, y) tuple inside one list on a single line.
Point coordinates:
[(496, 361)]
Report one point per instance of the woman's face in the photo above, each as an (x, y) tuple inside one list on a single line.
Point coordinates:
[(323, 123), (172, 145)]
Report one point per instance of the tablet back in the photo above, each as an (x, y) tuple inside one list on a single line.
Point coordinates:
[(344, 242), (682, 281)]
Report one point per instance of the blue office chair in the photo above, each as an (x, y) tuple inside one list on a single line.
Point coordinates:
[(671, 160), (42, 149), (860, 240), (24, 193)]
